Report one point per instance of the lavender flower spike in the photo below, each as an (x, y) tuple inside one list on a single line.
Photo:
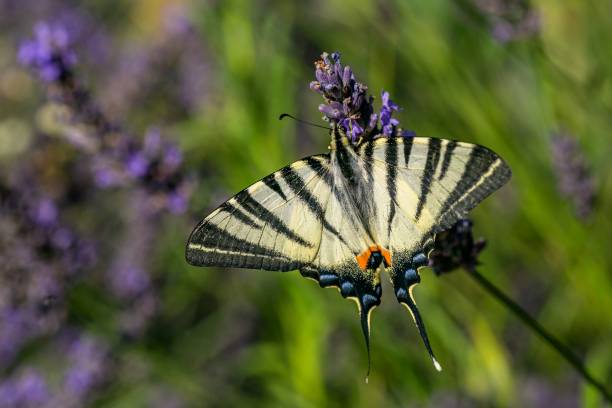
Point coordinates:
[(348, 105), (346, 100)]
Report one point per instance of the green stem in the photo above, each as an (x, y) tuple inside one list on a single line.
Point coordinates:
[(563, 350)]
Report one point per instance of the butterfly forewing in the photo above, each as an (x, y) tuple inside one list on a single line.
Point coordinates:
[(269, 225), (435, 182)]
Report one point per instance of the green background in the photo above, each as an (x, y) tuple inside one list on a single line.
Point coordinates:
[(252, 338)]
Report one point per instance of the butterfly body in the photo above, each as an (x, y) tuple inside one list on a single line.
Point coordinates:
[(342, 217)]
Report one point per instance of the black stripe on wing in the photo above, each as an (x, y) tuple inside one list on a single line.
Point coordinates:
[(254, 207), (344, 162), (448, 155), (232, 234), (210, 245), (484, 173), (271, 182), (391, 159), (431, 163), (408, 142), (237, 213), (297, 185)]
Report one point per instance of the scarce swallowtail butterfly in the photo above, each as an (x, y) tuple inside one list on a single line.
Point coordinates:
[(342, 217)]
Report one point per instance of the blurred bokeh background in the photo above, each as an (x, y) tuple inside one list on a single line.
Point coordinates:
[(156, 111)]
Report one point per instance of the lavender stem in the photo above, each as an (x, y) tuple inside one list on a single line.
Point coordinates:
[(562, 349)]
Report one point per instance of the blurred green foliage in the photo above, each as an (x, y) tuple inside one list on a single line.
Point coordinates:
[(252, 338)]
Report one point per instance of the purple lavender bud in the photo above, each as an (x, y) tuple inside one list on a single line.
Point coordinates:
[(373, 121), (388, 103), (322, 76), (316, 86), (347, 75), (352, 128), (388, 107), (334, 110)]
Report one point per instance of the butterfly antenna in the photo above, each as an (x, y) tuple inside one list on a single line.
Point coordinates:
[(286, 115), (410, 304)]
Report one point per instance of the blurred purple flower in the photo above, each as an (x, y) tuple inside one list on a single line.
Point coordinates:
[(118, 158), (49, 53), (135, 319), (40, 254), (509, 20), (29, 389), (16, 327), (177, 202), (574, 178), (130, 281), (137, 165), (88, 366), (45, 212)]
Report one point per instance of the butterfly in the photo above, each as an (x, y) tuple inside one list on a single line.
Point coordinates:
[(343, 217)]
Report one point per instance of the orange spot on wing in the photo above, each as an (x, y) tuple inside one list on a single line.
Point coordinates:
[(386, 255), (364, 257)]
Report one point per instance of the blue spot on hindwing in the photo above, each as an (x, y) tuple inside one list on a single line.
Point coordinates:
[(419, 259), (411, 276), (328, 280), (401, 293), (347, 289), (368, 301)]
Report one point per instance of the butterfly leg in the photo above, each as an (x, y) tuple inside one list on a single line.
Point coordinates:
[(405, 277)]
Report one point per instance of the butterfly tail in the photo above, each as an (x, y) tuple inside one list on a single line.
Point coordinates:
[(404, 282), (365, 326)]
